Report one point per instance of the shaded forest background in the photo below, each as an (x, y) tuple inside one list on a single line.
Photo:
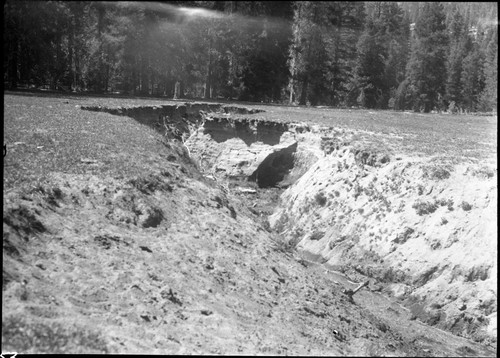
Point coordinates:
[(422, 56)]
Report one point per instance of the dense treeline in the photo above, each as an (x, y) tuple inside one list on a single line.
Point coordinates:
[(420, 56)]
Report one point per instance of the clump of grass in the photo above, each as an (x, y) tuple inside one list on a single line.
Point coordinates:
[(435, 245), (320, 199), (386, 202), (284, 246), (424, 207), (444, 202), (57, 193), (401, 238), (465, 206), (357, 190), (150, 183), (21, 335), (484, 172), (23, 218), (371, 154), (317, 235), (265, 225), (393, 275), (54, 195), (437, 172), (287, 246), (297, 234), (400, 207), (329, 145), (154, 217), (281, 223)]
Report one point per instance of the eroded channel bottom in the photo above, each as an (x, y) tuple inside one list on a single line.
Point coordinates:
[(360, 210)]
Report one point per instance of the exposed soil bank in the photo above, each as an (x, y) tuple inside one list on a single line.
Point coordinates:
[(181, 258), (424, 227)]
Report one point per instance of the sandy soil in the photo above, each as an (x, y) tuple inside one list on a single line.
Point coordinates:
[(203, 280)]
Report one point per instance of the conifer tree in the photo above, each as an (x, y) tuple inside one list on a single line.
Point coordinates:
[(370, 67), (382, 51), (471, 79), (456, 54), (307, 52), (488, 98), (426, 71)]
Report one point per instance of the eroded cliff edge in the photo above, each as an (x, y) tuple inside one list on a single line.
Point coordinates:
[(423, 229)]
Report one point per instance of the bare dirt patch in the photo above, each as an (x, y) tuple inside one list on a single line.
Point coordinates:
[(117, 240)]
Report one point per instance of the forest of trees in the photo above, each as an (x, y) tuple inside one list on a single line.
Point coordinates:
[(420, 56)]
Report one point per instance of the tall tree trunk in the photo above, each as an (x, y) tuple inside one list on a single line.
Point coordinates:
[(72, 61), (71, 57), (134, 81), (214, 91), (208, 81), (292, 93), (144, 77), (177, 90), (106, 78), (181, 89), (303, 94), (100, 25), (57, 71), (78, 83), (14, 63)]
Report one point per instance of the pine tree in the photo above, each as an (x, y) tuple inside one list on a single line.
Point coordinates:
[(397, 52), (426, 71), (472, 83), (488, 98), (346, 21), (382, 52), (259, 57), (307, 53), (323, 52), (456, 54), (370, 67)]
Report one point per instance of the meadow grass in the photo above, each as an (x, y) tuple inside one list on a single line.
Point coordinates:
[(46, 133), (21, 335), (461, 136)]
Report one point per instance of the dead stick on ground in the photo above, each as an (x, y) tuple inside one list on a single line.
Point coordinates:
[(351, 293)]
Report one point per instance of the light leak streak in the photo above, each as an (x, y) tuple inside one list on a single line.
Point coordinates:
[(181, 15)]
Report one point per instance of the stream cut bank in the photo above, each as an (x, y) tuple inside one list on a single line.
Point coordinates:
[(241, 207)]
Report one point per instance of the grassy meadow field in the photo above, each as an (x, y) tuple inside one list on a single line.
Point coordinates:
[(51, 132)]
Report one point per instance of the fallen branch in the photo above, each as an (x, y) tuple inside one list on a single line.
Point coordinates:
[(351, 293)]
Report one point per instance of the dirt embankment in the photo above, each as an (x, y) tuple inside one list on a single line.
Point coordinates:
[(425, 229), (182, 259)]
